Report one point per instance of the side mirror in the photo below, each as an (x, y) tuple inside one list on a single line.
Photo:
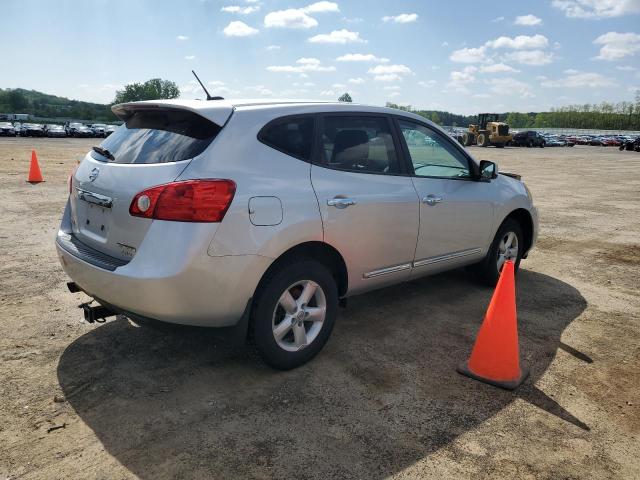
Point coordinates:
[(488, 170)]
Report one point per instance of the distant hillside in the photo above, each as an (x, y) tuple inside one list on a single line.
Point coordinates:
[(38, 104)]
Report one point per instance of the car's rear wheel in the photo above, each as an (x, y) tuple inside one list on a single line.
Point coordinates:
[(294, 312), (508, 244)]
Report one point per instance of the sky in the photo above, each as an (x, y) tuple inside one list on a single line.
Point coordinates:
[(459, 56)]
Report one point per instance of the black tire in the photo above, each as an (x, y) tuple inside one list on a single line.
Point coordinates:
[(543, 144), (487, 269), (266, 301), (499, 145)]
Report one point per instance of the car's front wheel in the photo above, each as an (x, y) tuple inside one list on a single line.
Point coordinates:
[(294, 312), (508, 244)]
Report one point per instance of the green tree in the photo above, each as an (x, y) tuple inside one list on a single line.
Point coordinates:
[(153, 89), (16, 101), (435, 118), (345, 97)]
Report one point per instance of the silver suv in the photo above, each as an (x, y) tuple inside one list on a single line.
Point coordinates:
[(265, 216)]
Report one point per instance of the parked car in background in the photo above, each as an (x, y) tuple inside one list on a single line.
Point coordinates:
[(82, 131), (610, 142), (56, 131), (530, 138), (98, 129), (109, 130), (32, 130), (71, 127), (553, 141), (266, 228), (7, 129)]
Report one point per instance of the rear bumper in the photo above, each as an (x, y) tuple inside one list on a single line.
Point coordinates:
[(195, 289)]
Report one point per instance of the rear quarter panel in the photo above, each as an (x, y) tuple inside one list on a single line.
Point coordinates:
[(259, 171)]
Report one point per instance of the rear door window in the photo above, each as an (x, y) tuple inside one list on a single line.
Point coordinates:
[(362, 144), (293, 136), (158, 136)]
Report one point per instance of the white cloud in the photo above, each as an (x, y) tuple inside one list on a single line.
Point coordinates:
[(328, 93), (445, 44), (356, 81), (530, 57), (359, 57), (498, 19), (571, 71), (393, 94), (459, 79), (215, 83), (510, 86), (340, 37), (239, 29), (338, 85), (617, 45), (468, 55), (290, 18), (626, 68), (321, 7), (303, 65), (521, 42), (597, 8), (386, 69), (402, 18), (182, 38), (528, 20), (273, 47), (498, 68), (391, 87), (578, 80), (260, 90), (428, 83), (298, 17), (387, 77), (240, 10), (190, 57)]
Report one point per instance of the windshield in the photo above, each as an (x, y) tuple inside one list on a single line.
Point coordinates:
[(158, 136)]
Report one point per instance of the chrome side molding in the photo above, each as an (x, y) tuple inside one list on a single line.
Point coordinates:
[(444, 258), (387, 270)]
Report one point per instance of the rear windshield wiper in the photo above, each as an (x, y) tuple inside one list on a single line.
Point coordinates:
[(104, 152)]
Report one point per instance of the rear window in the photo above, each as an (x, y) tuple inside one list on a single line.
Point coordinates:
[(292, 136), (159, 136)]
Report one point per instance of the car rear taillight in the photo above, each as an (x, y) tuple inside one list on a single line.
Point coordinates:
[(185, 201)]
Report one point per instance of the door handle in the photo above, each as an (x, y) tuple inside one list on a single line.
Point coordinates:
[(432, 199), (341, 202)]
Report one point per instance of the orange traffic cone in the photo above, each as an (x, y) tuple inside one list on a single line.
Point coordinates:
[(35, 175), (495, 358)]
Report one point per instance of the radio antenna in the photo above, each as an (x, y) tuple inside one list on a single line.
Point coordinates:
[(209, 97)]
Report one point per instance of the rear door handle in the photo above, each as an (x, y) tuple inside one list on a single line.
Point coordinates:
[(432, 199), (341, 202)]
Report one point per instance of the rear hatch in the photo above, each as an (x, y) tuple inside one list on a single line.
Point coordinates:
[(153, 146)]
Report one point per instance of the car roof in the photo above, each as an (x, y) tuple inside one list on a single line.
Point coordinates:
[(218, 111)]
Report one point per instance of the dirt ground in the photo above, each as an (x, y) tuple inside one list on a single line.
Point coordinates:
[(383, 400)]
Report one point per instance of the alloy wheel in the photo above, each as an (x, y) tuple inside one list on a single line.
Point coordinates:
[(299, 315)]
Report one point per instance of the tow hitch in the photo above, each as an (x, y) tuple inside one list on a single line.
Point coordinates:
[(97, 314)]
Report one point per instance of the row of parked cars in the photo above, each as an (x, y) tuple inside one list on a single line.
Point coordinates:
[(531, 138), (69, 129)]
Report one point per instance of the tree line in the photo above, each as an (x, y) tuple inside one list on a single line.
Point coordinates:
[(602, 116)]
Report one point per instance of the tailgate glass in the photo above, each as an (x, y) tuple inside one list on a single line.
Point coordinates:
[(158, 136)]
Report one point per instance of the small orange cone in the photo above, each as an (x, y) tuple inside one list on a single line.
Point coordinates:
[(35, 175), (495, 358)]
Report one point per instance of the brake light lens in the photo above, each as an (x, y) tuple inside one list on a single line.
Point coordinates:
[(185, 201)]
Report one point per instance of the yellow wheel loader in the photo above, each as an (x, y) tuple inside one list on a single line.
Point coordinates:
[(488, 131)]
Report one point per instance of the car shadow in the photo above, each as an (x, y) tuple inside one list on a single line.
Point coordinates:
[(383, 394)]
